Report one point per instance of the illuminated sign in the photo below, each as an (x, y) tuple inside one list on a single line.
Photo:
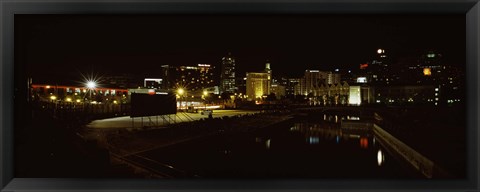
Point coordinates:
[(203, 65), (361, 80), (363, 66)]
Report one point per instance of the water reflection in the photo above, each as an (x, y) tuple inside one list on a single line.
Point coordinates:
[(364, 142), (305, 148), (329, 130), (380, 157), (313, 140)]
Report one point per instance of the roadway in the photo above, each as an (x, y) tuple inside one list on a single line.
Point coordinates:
[(126, 121)]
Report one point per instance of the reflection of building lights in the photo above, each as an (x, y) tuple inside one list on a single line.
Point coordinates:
[(313, 140), (53, 97), (68, 99), (267, 144), (380, 158), (364, 143), (78, 100), (115, 102)]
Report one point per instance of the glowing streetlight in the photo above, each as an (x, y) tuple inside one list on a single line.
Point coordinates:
[(91, 84), (69, 99), (180, 91), (205, 93), (53, 97)]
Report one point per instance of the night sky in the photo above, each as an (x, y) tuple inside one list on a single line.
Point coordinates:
[(63, 46)]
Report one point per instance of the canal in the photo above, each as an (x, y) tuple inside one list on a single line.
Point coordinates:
[(302, 148)]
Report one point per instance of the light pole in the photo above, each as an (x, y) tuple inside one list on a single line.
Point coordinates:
[(91, 86), (205, 93)]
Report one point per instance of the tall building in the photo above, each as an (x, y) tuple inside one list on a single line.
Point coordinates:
[(290, 85), (313, 79), (333, 78), (192, 78), (258, 85), (378, 71), (227, 75)]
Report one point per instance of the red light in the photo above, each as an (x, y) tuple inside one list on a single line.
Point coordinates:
[(151, 92), (363, 142), (363, 66)]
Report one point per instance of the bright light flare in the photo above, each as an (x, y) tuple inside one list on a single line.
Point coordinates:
[(180, 91), (91, 84)]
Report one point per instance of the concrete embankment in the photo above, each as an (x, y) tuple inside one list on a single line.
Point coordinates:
[(398, 148), (126, 144), (417, 160)]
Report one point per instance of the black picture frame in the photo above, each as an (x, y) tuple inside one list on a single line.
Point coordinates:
[(8, 8)]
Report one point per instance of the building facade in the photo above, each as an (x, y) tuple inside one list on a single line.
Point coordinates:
[(258, 85), (193, 79), (227, 74)]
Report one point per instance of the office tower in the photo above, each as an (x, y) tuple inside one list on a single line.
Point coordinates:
[(227, 75)]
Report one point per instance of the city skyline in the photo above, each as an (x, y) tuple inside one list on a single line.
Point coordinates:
[(240, 96), (141, 44)]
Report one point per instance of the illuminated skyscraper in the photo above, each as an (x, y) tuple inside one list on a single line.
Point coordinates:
[(258, 85), (193, 78), (227, 75)]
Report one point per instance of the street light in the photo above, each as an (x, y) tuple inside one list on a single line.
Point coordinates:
[(91, 86), (180, 92)]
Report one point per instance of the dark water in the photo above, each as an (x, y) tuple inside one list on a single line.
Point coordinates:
[(301, 148)]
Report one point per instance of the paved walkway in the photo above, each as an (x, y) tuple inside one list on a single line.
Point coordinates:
[(126, 121)]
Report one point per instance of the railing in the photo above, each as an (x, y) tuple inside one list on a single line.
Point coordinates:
[(83, 111), (417, 160)]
